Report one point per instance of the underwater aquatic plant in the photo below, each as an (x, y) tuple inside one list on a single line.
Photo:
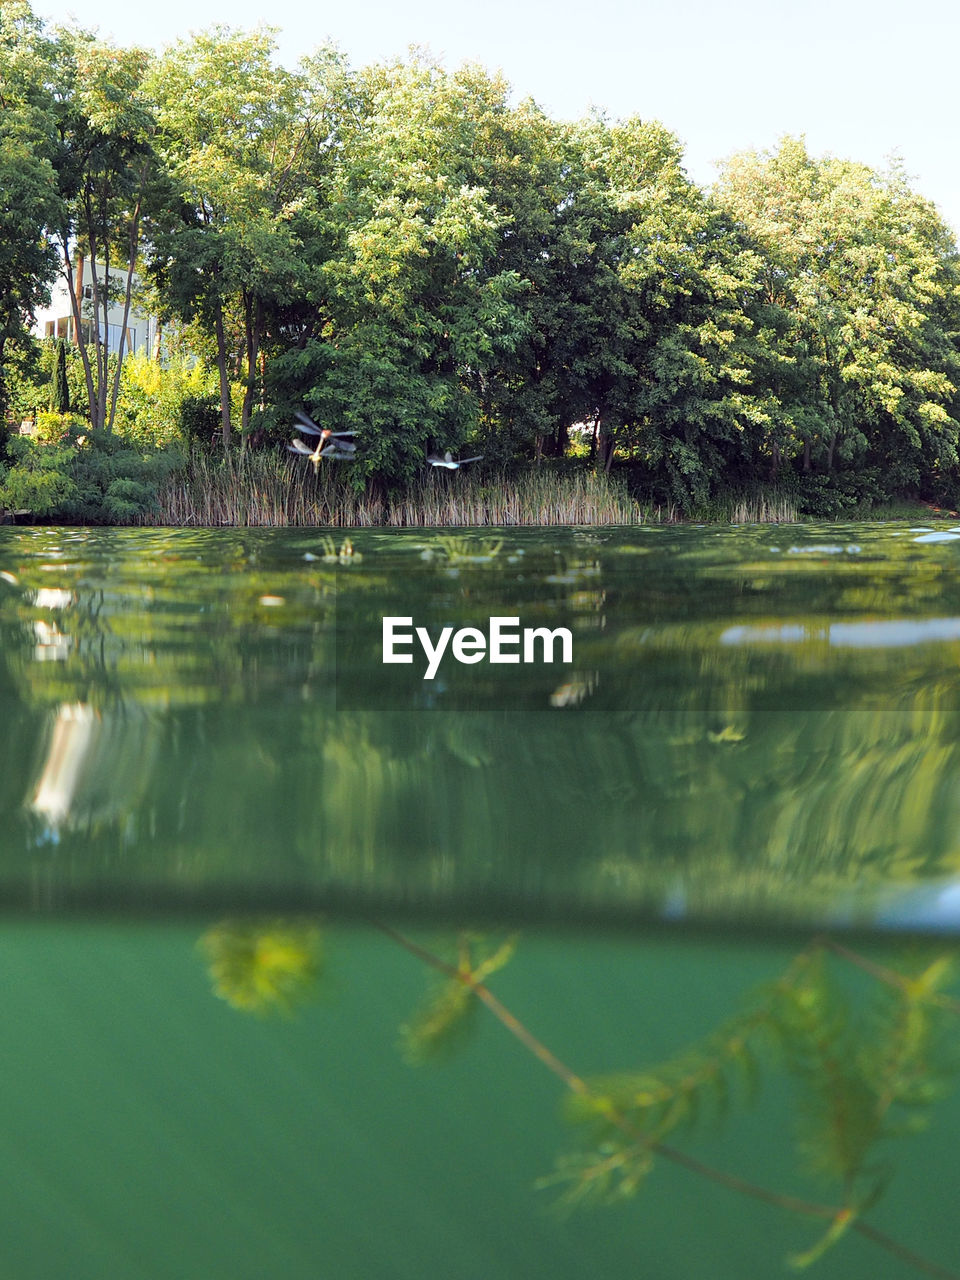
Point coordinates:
[(864, 1071), (446, 1016), (264, 966), (863, 1074)]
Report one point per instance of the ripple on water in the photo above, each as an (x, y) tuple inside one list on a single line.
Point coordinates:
[(885, 634), (824, 549)]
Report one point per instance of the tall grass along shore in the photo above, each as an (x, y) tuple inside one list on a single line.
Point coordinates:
[(255, 490)]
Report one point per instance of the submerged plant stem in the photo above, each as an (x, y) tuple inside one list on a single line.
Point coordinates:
[(889, 977), (576, 1083), (902, 1252)]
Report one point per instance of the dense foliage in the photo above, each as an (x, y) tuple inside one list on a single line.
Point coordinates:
[(81, 475), (412, 257)]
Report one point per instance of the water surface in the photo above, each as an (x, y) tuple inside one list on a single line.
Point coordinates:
[(758, 723)]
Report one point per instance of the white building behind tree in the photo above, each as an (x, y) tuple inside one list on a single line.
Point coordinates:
[(58, 319)]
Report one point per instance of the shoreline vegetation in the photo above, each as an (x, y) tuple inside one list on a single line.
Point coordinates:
[(261, 489), (432, 270), (256, 490)]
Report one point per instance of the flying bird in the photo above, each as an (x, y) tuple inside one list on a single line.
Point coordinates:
[(449, 462)]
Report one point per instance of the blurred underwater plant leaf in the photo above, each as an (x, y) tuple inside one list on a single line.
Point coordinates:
[(867, 1065), (446, 1018), (264, 966)]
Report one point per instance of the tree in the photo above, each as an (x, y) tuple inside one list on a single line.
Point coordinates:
[(30, 200), (531, 395), (690, 280), (421, 305), (59, 388), (104, 162), (863, 275), (239, 137), (640, 287)]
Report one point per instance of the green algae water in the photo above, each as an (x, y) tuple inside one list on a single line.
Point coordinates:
[(258, 887)]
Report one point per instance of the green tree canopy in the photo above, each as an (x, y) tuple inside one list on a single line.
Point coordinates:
[(863, 274), (422, 305), (241, 139), (29, 200)]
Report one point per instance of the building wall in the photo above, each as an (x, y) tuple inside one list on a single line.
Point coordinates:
[(56, 320)]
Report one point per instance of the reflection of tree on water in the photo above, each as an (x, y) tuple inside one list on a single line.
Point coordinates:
[(104, 640), (757, 810), (727, 785), (762, 815), (92, 754), (97, 766), (866, 1066), (66, 755)]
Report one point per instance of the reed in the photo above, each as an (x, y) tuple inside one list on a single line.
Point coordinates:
[(758, 508), (256, 489), (764, 509), (249, 489)]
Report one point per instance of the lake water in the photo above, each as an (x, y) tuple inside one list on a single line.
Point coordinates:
[(756, 740)]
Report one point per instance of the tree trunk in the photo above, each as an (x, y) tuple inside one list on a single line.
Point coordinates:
[(99, 350), (606, 451), (254, 326), (73, 288), (806, 455), (224, 379), (133, 245), (105, 366)]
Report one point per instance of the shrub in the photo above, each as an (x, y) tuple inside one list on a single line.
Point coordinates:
[(200, 419), (839, 493), (39, 479), (94, 478), (54, 428), (175, 402)]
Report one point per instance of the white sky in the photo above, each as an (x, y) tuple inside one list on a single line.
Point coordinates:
[(861, 78)]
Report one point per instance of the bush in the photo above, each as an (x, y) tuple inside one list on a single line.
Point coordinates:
[(93, 478), (200, 420), (835, 495), (40, 491), (54, 428), (177, 402)]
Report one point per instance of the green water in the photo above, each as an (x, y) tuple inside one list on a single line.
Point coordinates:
[(151, 1131), (756, 737)]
